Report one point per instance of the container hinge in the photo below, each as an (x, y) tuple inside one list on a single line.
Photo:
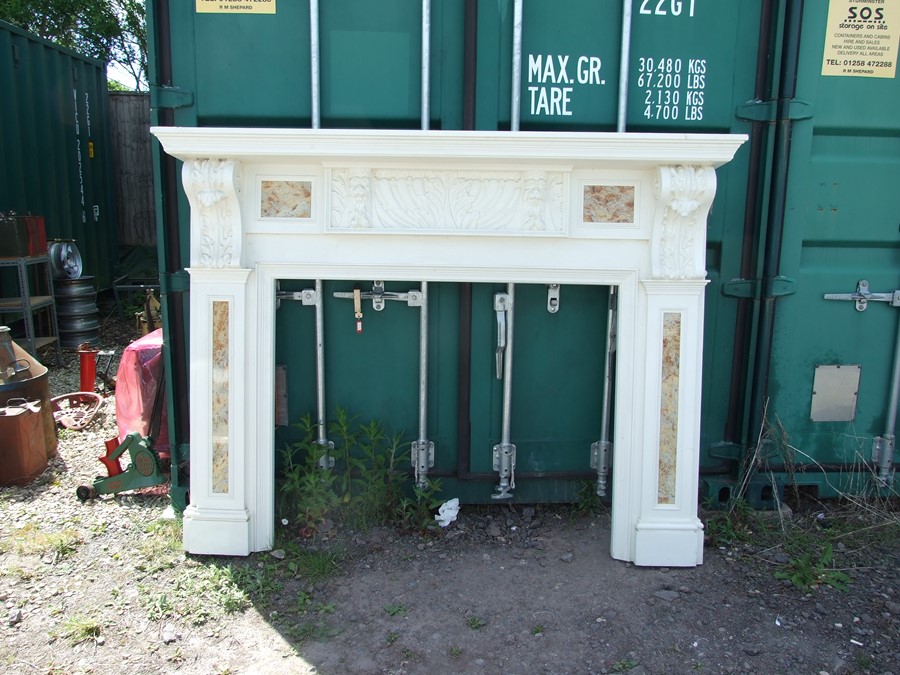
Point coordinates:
[(767, 111), (553, 298), (170, 97), (756, 289), (883, 457), (726, 450), (174, 282)]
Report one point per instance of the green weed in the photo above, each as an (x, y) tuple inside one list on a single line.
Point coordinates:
[(78, 629), (809, 570), (475, 622), (395, 610)]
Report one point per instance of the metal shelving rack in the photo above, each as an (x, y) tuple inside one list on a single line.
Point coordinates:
[(27, 304)]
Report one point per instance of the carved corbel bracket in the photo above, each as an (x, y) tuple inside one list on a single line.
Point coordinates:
[(684, 195), (213, 190)]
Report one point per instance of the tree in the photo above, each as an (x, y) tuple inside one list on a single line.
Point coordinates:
[(110, 30)]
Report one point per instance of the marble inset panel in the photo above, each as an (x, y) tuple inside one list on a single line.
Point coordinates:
[(608, 204), (668, 413), (286, 199), (220, 392)]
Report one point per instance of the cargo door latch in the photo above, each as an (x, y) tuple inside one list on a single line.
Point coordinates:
[(863, 296)]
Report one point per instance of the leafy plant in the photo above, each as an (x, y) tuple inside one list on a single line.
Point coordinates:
[(392, 637), (809, 570), (395, 609), (307, 491), (624, 665), (415, 513), (475, 622), (78, 629), (537, 630), (454, 652)]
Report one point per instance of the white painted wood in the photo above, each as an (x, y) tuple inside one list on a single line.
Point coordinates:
[(656, 262)]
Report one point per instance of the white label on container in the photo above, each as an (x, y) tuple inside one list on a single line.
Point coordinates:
[(861, 38), (236, 7)]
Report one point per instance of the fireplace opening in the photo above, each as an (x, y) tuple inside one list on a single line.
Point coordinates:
[(452, 424)]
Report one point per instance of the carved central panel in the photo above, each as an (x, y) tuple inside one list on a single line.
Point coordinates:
[(449, 201)]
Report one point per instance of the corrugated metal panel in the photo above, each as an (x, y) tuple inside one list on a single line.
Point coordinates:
[(54, 157), (129, 114)]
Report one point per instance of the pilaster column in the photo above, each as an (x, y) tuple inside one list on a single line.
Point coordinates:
[(668, 531), (217, 518)]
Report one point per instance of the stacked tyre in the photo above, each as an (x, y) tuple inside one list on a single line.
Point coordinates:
[(75, 296)]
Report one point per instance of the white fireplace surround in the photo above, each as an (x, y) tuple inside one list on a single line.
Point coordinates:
[(575, 208)]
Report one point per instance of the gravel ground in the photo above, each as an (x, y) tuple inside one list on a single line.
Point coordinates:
[(103, 587)]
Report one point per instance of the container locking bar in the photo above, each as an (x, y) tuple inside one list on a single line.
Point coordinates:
[(882, 446), (378, 296), (504, 452), (312, 297), (863, 296)]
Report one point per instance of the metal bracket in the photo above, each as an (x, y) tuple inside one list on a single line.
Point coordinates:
[(326, 459), (307, 296), (553, 298), (863, 296), (378, 296), (170, 97), (754, 289), (600, 461), (505, 465), (501, 305), (883, 456), (767, 111), (422, 459)]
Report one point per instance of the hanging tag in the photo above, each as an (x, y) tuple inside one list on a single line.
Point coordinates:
[(357, 309)]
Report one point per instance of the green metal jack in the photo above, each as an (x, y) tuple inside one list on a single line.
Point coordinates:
[(143, 472)]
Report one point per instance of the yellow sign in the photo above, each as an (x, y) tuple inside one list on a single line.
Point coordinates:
[(236, 7), (861, 38)]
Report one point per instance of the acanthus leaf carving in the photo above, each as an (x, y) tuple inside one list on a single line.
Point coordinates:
[(213, 190), (684, 195), (447, 201)]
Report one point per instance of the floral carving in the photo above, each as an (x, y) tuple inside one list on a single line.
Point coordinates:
[(213, 188), (494, 201), (684, 194)]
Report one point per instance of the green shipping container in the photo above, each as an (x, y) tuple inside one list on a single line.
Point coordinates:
[(54, 149), (805, 209)]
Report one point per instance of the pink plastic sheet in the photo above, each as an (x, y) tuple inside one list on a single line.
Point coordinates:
[(139, 376)]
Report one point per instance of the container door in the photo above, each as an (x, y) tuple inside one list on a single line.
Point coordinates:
[(831, 364)]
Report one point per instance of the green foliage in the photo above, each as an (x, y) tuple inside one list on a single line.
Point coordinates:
[(365, 487), (537, 630), (314, 566), (78, 629), (395, 610), (730, 526), (624, 665), (475, 622), (415, 513), (392, 637), (109, 30), (454, 652), (810, 569)]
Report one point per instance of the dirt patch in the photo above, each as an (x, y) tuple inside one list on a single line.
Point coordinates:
[(103, 587)]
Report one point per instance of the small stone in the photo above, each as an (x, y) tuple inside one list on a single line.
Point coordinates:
[(668, 596), (278, 553), (169, 634), (566, 557), (892, 607), (528, 512), (751, 650), (15, 616), (782, 558)]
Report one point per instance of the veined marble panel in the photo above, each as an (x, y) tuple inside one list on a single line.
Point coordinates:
[(220, 392), (608, 204), (668, 414), (448, 201), (285, 199)]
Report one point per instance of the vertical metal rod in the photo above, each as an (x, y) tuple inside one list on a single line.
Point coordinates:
[(515, 115), (508, 366), (625, 57), (426, 64), (320, 364), (314, 62), (423, 364), (602, 450), (895, 391)]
